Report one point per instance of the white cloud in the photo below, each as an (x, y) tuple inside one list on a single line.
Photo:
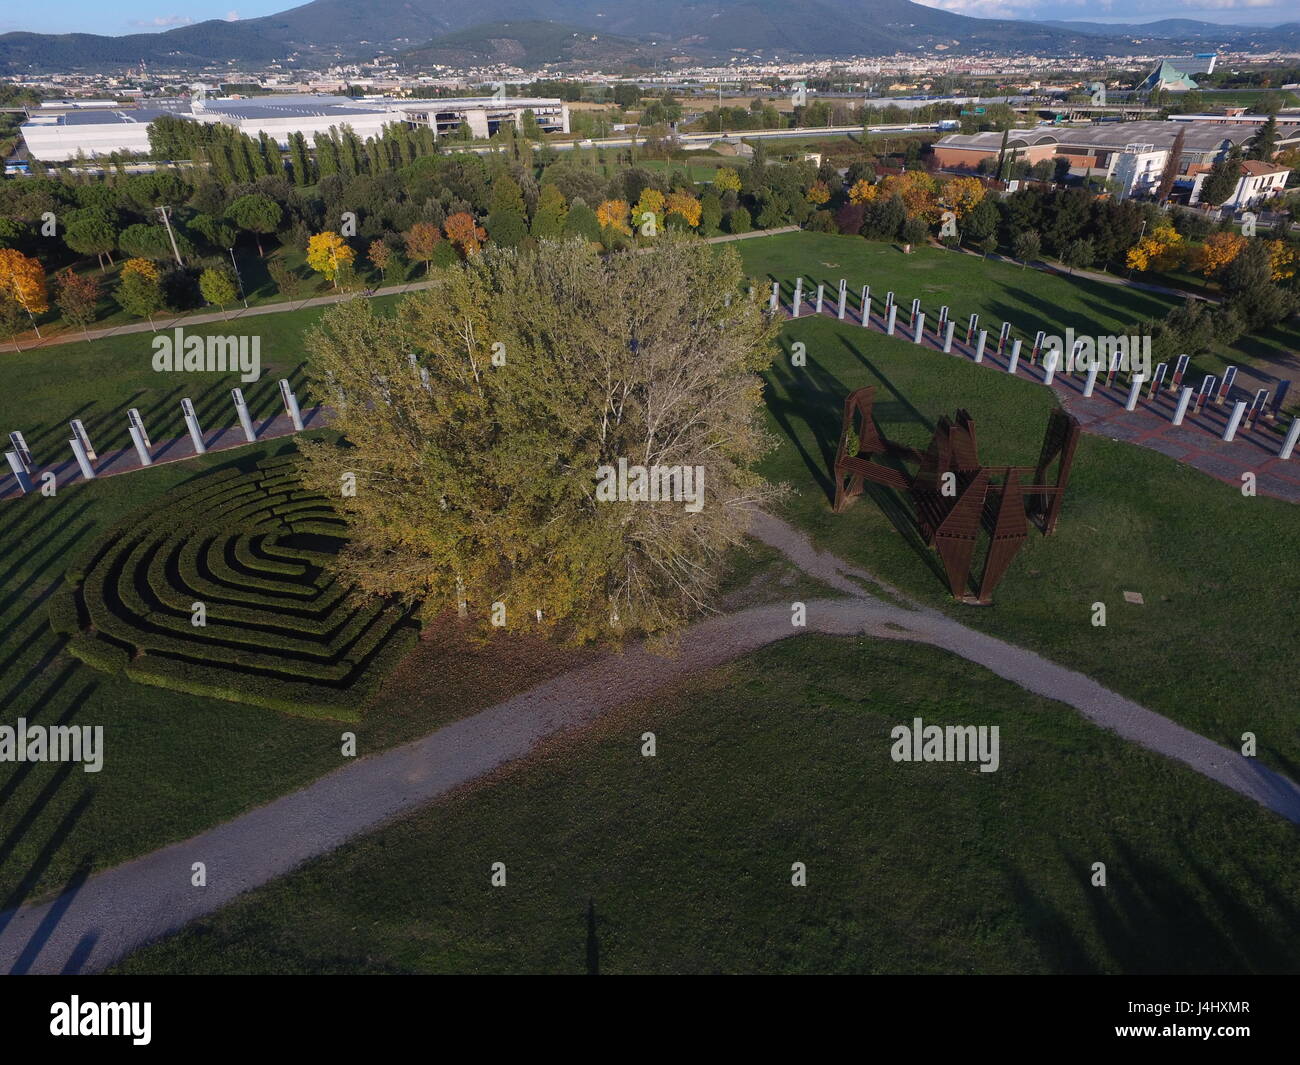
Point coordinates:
[(162, 22), (232, 16)]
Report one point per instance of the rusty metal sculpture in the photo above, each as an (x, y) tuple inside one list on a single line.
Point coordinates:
[(954, 495)]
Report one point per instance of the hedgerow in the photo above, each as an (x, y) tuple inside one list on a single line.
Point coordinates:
[(279, 630)]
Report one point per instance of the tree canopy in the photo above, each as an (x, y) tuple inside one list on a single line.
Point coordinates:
[(477, 480)]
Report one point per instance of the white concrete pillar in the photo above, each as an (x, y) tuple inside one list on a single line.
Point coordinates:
[(1049, 365), (979, 345), (1234, 421), (87, 470), (1183, 401), (1293, 434), (1134, 392), (291, 401), (241, 409), (1014, 361), (893, 314), (192, 424), (775, 301), (140, 449), (25, 482), (1091, 383), (919, 330), (947, 337)]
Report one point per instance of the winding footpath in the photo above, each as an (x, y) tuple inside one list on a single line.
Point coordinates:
[(112, 913)]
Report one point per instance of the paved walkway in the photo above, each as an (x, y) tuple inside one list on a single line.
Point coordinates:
[(98, 922), (207, 317), (1197, 442)]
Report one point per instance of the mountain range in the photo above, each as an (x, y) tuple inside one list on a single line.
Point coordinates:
[(594, 32)]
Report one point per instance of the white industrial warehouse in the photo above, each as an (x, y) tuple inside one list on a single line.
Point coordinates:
[(58, 137)]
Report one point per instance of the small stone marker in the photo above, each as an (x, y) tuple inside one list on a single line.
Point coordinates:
[(1134, 597), (1225, 389), (1207, 389), (1158, 379), (1256, 408), (1279, 395), (1180, 368), (1113, 370)]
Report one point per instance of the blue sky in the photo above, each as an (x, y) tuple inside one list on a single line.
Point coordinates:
[(137, 16)]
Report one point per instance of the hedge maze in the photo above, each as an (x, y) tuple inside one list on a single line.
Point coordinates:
[(252, 548)]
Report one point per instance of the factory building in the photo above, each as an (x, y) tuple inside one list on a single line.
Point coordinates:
[(52, 135)]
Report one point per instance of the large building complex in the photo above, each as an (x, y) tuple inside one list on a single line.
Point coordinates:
[(1134, 154), (57, 136)]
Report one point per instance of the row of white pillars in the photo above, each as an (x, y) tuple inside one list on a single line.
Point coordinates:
[(20, 460)]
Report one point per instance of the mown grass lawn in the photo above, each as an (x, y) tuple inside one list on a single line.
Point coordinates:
[(998, 291), (1214, 645), (176, 764), (681, 863)]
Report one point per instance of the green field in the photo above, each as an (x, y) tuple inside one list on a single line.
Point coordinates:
[(681, 863), (997, 291), (1211, 649), (179, 763), (1212, 646)]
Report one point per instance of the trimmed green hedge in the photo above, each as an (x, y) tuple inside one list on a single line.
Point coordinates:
[(281, 632)]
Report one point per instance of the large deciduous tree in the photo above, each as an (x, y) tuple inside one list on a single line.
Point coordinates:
[(478, 481)]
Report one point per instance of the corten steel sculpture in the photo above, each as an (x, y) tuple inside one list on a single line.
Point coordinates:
[(951, 510)]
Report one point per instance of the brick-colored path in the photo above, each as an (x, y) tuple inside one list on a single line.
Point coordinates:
[(1196, 442)]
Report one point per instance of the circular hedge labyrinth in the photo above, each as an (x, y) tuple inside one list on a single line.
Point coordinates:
[(246, 553)]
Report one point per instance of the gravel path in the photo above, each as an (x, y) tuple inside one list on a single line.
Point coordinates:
[(90, 927)]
